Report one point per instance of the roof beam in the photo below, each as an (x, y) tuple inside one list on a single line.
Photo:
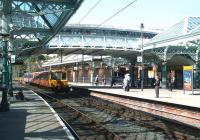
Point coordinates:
[(48, 1), (26, 30), (43, 17), (65, 16), (7, 6)]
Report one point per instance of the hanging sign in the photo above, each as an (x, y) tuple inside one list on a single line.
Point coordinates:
[(187, 77), (12, 59), (139, 58)]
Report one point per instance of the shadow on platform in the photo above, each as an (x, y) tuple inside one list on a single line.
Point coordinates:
[(13, 124)]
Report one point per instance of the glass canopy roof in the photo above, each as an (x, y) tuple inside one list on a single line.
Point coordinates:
[(185, 26), (32, 23)]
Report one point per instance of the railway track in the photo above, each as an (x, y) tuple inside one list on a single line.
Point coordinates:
[(81, 125), (111, 121)]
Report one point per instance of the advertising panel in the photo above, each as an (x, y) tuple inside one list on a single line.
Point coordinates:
[(150, 74), (187, 77)]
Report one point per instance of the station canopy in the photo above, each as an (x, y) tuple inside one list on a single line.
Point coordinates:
[(33, 23), (188, 28), (182, 39)]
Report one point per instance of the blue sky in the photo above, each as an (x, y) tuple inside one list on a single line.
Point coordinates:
[(155, 14)]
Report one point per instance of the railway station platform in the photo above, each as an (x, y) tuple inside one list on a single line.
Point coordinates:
[(33, 119), (172, 105), (175, 96)]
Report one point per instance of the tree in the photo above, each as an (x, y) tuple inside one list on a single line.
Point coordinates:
[(34, 63)]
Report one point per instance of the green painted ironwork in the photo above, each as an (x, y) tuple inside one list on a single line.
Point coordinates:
[(35, 22), (10, 88), (196, 79), (30, 24), (5, 37), (10, 73), (164, 74), (4, 102)]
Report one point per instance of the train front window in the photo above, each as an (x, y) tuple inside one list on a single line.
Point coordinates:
[(53, 76), (59, 75)]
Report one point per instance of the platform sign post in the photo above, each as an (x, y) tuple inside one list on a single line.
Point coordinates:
[(188, 78), (12, 59), (139, 58)]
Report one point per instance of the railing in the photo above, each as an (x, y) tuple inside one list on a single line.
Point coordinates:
[(88, 81)]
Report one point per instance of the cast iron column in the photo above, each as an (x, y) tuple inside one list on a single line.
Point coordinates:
[(164, 74), (132, 69), (142, 53), (10, 89)]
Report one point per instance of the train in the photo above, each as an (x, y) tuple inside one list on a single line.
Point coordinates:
[(54, 79)]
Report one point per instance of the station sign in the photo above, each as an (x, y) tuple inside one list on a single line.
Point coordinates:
[(12, 59), (75, 68), (139, 58)]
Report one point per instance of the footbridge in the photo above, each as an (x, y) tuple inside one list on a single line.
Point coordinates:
[(95, 40)]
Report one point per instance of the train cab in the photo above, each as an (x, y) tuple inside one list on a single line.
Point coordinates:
[(56, 80)]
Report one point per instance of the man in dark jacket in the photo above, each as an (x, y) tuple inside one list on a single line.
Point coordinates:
[(157, 84)]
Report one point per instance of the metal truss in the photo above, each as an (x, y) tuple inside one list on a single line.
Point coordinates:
[(70, 60), (166, 53), (33, 23), (93, 41)]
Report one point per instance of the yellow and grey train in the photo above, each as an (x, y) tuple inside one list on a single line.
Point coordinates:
[(56, 80)]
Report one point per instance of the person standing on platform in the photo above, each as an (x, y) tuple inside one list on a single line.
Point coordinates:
[(112, 82), (104, 81), (126, 82), (157, 84), (96, 81), (173, 83)]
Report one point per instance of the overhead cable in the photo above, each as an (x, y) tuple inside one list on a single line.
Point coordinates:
[(89, 12), (117, 12)]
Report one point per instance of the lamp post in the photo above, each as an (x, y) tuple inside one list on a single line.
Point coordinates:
[(5, 37), (4, 101), (12, 60), (142, 51)]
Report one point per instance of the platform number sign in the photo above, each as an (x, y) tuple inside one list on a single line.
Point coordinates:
[(139, 59), (12, 59)]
